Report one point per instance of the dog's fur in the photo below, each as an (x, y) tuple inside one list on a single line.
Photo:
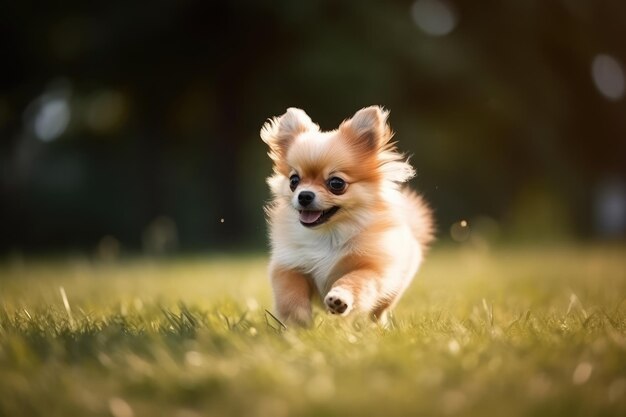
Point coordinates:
[(363, 257)]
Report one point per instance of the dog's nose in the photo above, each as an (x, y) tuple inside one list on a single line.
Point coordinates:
[(305, 198)]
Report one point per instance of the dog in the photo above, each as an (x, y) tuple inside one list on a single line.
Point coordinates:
[(342, 227)]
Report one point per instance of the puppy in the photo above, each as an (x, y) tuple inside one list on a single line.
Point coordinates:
[(341, 227)]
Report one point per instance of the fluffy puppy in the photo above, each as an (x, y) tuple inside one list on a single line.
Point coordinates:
[(341, 227)]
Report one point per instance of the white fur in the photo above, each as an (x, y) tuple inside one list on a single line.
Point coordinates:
[(313, 251)]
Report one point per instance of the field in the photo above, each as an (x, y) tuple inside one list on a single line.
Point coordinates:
[(507, 332)]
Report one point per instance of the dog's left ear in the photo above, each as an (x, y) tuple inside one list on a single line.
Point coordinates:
[(368, 128)]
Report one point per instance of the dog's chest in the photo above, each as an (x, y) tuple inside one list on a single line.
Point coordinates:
[(315, 257)]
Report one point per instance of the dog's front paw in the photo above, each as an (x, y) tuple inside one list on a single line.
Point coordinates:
[(339, 301)]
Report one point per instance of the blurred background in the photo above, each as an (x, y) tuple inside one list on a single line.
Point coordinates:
[(133, 126)]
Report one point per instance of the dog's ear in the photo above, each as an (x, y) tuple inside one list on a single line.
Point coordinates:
[(368, 128), (279, 132)]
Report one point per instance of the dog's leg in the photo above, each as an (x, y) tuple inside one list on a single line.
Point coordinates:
[(380, 313), (292, 296), (355, 290)]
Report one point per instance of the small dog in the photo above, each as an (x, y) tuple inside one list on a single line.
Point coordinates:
[(341, 226)]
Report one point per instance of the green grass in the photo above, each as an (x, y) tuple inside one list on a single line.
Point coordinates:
[(528, 332)]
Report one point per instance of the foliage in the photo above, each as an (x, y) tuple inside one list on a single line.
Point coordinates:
[(164, 101)]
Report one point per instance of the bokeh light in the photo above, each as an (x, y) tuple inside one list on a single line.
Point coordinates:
[(160, 236), (608, 76), (52, 118), (434, 17), (106, 111), (460, 231), (610, 208)]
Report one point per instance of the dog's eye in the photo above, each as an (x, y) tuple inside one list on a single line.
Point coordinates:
[(294, 180), (336, 185)]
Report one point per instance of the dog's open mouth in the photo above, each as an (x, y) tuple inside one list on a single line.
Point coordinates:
[(310, 218)]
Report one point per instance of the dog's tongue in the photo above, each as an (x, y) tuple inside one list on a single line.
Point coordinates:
[(309, 216)]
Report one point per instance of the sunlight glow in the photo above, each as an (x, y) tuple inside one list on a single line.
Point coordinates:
[(120, 408), (193, 358), (617, 389), (582, 373)]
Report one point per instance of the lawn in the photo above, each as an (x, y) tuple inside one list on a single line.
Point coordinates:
[(506, 332)]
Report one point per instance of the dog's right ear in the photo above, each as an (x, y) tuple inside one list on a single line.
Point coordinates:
[(279, 132)]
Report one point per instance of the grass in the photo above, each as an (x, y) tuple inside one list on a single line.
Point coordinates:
[(516, 332)]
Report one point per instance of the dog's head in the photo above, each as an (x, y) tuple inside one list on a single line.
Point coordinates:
[(336, 175)]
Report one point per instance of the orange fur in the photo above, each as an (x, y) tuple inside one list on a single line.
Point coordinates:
[(368, 240), (293, 295)]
